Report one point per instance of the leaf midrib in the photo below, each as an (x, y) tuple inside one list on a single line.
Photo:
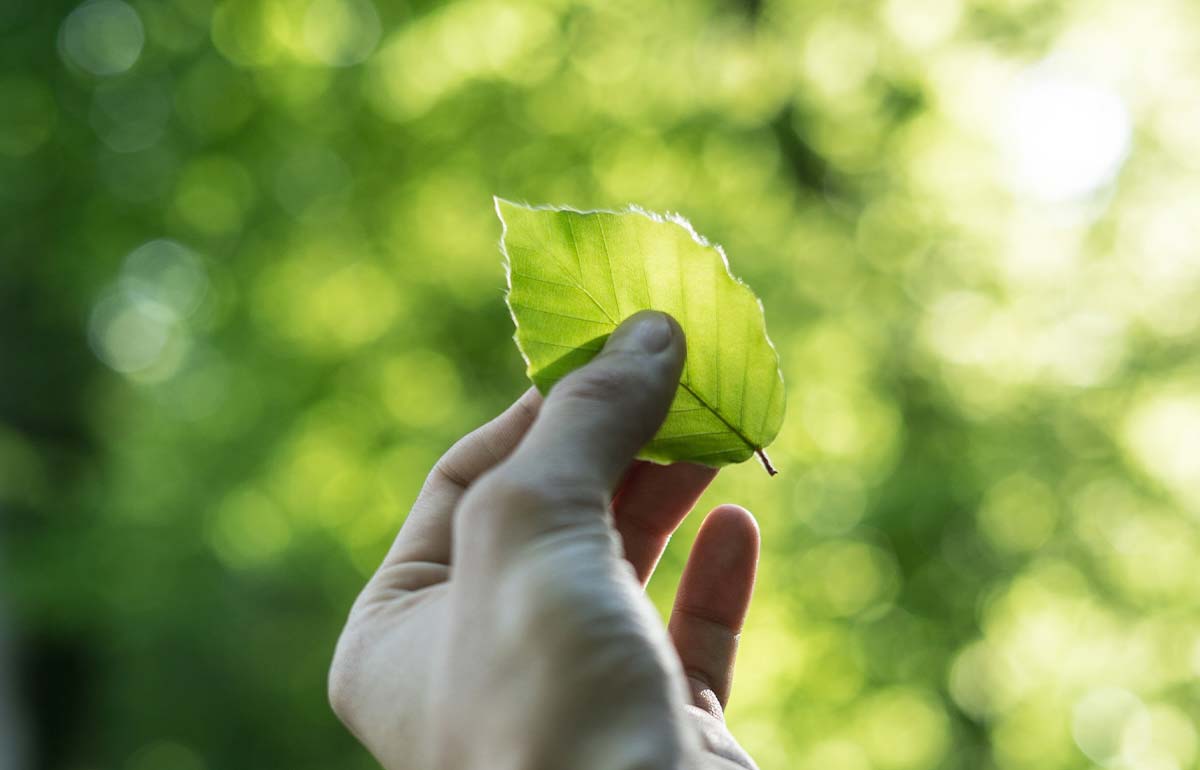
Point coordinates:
[(719, 416)]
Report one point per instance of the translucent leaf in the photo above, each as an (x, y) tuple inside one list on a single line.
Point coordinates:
[(574, 276)]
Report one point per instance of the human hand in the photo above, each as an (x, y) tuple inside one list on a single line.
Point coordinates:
[(507, 627)]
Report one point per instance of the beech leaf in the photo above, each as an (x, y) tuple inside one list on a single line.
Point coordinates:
[(573, 276)]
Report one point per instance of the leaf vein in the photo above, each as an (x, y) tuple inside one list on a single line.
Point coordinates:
[(579, 262), (770, 395), (722, 432), (537, 341), (686, 377), (716, 453), (612, 278), (719, 416), (556, 313)]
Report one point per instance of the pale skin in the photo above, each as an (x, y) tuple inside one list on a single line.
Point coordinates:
[(507, 627)]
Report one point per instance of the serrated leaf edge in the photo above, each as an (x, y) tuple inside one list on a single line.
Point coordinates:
[(665, 218)]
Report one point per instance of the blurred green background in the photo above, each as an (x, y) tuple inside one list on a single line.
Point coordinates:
[(250, 289)]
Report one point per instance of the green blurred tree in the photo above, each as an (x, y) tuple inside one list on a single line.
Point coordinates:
[(250, 289)]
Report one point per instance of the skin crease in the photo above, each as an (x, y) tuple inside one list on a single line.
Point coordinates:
[(507, 627)]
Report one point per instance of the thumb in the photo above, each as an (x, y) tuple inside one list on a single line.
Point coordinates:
[(586, 434), (596, 419)]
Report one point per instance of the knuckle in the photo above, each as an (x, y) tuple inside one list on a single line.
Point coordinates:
[(447, 469)]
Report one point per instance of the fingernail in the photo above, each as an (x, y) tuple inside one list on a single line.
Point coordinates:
[(647, 331)]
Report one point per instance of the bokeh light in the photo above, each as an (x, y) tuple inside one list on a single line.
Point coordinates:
[(102, 37), (130, 115), (1067, 137), (340, 32), (131, 333)]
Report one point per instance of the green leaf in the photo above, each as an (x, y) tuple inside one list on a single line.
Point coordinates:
[(574, 276)]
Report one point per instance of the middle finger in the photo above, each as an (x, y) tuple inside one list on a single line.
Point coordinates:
[(651, 503)]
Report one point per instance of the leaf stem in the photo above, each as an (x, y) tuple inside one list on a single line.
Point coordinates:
[(766, 461)]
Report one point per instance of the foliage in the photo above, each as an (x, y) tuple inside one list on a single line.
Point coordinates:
[(574, 276), (250, 290)]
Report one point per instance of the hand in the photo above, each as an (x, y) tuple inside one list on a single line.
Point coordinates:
[(507, 627)]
